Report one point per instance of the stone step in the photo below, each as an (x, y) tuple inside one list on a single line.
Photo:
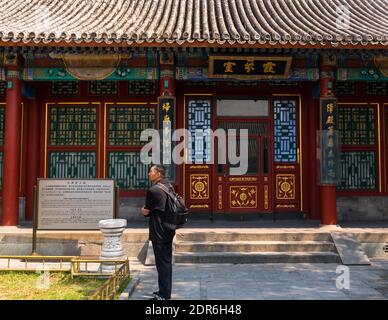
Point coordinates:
[(252, 236), (255, 246), (256, 257)]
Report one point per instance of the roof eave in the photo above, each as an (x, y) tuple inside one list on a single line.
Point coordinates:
[(196, 43)]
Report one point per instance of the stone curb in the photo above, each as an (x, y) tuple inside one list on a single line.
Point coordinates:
[(128, 291)]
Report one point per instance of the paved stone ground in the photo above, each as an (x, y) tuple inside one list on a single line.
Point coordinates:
[(265, 281), (301, 281)]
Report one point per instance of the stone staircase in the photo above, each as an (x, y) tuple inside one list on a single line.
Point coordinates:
[(255, 247)]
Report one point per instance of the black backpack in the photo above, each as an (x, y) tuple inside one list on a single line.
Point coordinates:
[(176, 211)]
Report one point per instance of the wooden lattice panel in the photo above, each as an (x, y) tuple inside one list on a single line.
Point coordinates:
[(103, 88), (142, 87), (358, 170), (345, 88), (377, 88), (72, 165), (127, 122), (73, 125), (285, 137), (127, 169), (64, 88), (357, 125)]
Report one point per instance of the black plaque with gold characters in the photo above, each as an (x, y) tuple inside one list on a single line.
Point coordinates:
[(329, 113), (166, 105), (329, 142), (249, 68)]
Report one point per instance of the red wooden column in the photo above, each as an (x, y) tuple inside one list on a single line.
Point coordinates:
[(32, 169), (313, 126), (328, 193), (11, 167)]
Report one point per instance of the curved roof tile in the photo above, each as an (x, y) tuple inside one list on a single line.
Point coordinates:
[(187, 21)]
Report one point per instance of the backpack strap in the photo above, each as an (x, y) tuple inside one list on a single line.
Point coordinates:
[(160, 186)]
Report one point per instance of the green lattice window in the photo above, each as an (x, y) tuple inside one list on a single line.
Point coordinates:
[(357, 125), (72, 125), (72, 165), (62, 88), (129, 172), (201, 84), (280, 83), (358, 170), (345, 88), (126, 124), (103, 88), (377, 88), (2, 125), (141, 87)]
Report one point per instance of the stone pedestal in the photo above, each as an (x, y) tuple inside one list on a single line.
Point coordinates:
[(112, 249)]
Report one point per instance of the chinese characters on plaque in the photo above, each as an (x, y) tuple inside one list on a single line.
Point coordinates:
[(74, 204), (328, 143), (249, 68), (166, 105)]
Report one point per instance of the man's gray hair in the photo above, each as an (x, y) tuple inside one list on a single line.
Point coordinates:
[(161, 169)]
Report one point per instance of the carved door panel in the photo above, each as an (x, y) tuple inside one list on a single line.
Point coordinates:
[(252, 191), (197, 177), (287, 154)]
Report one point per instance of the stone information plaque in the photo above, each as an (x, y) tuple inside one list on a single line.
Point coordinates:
[(74, 204)]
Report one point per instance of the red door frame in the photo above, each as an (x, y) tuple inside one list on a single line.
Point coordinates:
[(303, 94)]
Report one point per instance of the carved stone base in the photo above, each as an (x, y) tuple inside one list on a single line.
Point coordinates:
[(112, 249)]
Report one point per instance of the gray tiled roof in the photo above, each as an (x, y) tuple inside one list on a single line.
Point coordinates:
[(295, 22)]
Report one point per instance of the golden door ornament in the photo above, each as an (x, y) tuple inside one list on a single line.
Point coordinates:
[(199, 167), (243, 179), (286, 167), (285, 186), (199, 206), (285, 206), (199, 186), (266, 201), (243, 197), (219, 197)]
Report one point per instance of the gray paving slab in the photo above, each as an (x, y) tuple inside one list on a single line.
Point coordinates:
[(264, 282), (150, 257), (349, 249)]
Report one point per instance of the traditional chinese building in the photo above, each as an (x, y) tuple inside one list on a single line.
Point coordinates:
[(81, 79)]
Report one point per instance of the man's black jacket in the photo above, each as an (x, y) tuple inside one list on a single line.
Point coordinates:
[(156, 202)]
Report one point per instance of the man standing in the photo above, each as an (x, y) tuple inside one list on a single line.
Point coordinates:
[(160, 236)]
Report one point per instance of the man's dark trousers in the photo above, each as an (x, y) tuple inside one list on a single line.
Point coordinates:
[(163, 261)]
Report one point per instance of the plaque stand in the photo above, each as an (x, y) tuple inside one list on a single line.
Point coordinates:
[(35, 224)]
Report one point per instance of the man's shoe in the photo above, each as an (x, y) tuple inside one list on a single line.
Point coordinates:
[(155, 293), (157, 297)]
